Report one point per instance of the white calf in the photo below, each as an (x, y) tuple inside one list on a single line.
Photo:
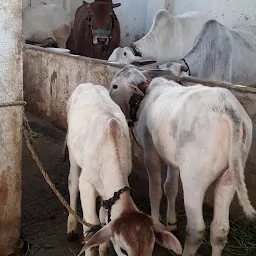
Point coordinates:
[(100, 162), (201, 133), (46, 22)]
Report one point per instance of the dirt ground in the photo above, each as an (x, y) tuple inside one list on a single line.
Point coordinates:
[(44, 218)]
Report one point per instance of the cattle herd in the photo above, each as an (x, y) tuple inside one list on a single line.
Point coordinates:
[(202, 134), (189, 44)]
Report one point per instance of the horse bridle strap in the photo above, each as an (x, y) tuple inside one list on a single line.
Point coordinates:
[(135, 50), (107, 204)]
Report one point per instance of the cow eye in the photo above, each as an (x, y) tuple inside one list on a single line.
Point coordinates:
[(125, 53), (115, 86), (124, 252)]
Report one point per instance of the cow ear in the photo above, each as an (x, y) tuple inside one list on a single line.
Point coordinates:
[(169, 241), (100, 237), (136, 89), (166, 238), (116, 5)]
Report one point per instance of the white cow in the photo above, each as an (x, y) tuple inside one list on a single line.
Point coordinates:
[(220, 54), (203, 134), (169, 39), (100, 161), (46, 22)]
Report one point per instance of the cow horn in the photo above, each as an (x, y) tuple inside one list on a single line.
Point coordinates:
[(116, 5)]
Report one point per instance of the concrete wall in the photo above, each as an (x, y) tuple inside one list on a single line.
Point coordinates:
[(10, 124), (50, 78), (229, 12), (49, 81)]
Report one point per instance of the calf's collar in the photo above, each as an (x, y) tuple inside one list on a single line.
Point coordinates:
[(107, 204)]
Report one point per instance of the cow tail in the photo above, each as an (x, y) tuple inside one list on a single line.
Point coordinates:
[(237, 163)]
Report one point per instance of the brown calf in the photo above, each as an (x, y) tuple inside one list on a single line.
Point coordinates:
[(96, 30)]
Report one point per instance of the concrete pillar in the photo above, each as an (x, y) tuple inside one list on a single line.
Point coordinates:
[(10, 124), (170, 5)]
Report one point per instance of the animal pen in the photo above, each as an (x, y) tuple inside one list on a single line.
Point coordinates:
[(48, 80)]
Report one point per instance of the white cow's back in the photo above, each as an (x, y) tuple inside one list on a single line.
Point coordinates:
[(90, 111), (193, 110), (39, 23), (188, 26), (180, 34)]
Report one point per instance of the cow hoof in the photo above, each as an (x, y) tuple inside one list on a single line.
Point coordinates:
[(72, 236)]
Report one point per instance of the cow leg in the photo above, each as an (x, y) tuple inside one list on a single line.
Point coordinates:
[(88, 201), (224, 193), (193, 200), (73, 180), (103, 248), (171, 191), (153, 164)]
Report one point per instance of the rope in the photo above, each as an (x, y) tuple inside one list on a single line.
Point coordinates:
[(28, 135), (47, 178), (11, 104), (26, 126), (135, 138)]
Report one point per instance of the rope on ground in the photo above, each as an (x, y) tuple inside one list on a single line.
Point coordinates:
[(48, 180), (28, 135), (28, 128)]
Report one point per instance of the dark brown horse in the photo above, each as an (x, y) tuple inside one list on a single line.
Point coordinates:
[(96, 30)]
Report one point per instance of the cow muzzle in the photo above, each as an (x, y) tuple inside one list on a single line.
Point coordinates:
[(100, 39)]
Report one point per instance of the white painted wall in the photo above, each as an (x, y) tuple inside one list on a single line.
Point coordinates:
[(131, 15), (152, 7), (230, 12)]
